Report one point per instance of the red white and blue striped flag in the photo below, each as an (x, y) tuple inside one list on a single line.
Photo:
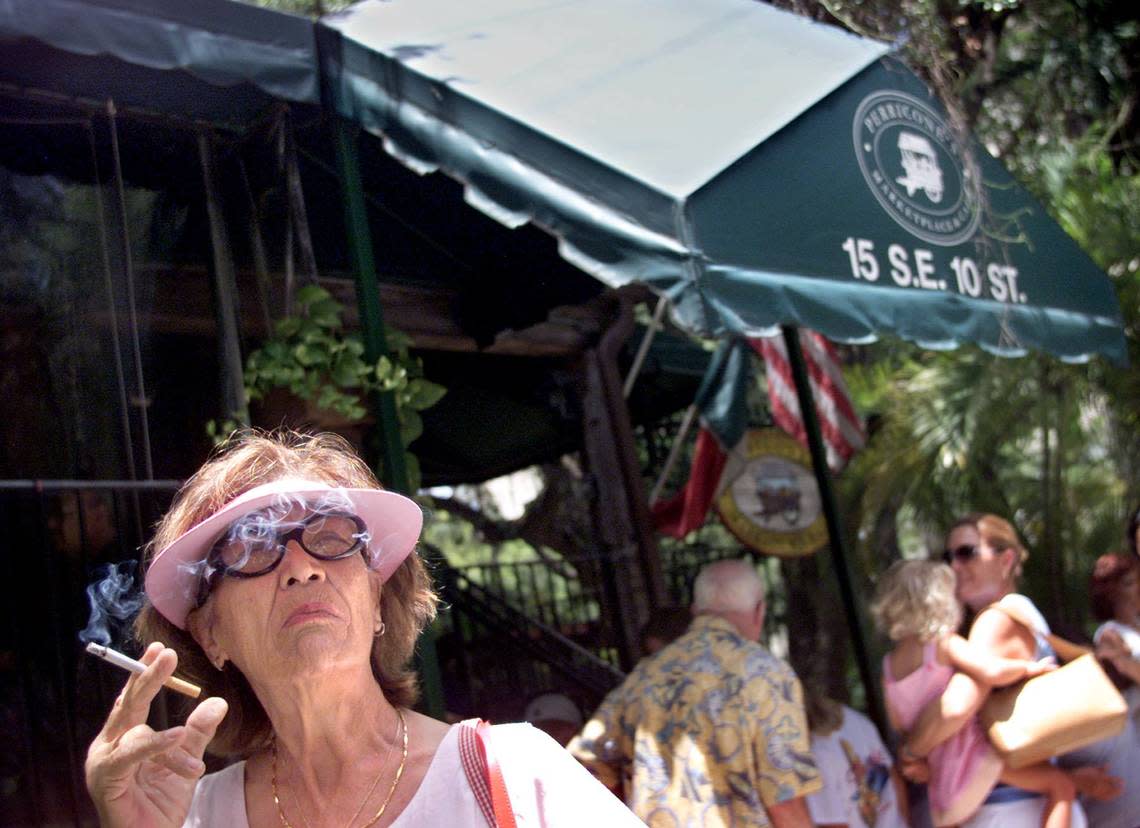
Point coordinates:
[(840, 427)]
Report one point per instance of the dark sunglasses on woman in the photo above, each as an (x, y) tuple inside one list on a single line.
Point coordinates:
[(963, 553), (256, 543)]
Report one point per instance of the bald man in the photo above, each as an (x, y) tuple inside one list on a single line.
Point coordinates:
[(711, 730)]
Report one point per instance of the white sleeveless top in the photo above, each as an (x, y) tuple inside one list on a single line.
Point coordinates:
[(546, 785)]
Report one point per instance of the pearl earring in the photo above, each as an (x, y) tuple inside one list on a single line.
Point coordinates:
[(380, 629)]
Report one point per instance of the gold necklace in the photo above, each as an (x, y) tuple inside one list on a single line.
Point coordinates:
[(371, 788), (396, 781)]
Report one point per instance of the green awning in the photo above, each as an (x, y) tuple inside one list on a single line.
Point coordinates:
[(215, 61), (755, 167)]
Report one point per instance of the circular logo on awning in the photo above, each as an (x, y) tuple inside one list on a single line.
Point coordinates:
[(911, 162), (772, 503)]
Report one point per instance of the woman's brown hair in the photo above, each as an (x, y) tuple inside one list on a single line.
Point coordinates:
[(249, 459), (1104, 584)]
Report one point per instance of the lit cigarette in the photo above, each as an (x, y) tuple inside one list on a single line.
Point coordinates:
[(128, 663)]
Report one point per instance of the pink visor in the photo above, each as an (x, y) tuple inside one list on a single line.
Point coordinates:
[(394, 523)]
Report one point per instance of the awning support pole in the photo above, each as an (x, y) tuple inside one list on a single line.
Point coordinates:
[(834, 530), (643, 348), (375, 346), (674, 453), (368, 298)]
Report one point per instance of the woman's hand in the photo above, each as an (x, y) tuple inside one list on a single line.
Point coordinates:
[(914, 768), (1110, 645), (1096, 782), (1037, 668), (137, 776), (1111, 648)]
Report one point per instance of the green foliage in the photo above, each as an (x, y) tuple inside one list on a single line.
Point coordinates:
[(312, 356)]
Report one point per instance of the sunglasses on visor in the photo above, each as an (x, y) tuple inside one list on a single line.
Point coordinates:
[(256, 544), (963, 553)]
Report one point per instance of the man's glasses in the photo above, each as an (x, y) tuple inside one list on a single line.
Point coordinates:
[(963, 553), (256, 544)]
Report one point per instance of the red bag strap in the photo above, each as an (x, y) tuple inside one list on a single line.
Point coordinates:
[(484, 774)]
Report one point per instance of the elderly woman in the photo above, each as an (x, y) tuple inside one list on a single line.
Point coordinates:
[(987, 557), (285, 581), (1114, 589)]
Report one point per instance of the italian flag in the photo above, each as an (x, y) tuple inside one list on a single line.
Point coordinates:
[(720, 403)]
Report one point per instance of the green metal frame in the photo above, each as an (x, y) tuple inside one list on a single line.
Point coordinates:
[(375, 345)]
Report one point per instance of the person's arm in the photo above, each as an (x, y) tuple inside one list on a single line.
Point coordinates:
[(994, 633), (992, 671), (784, 785), (791, 813), (597, 745), (1110, 647)]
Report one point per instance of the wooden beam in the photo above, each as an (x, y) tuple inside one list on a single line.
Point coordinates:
[(182, 304)]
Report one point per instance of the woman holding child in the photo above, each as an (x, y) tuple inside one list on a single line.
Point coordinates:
[(987, 558)]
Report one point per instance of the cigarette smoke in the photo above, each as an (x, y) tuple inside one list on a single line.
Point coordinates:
[(114, 599), (262, 526)]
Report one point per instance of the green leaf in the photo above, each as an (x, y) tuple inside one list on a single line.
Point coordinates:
[(396, 339), (276, 351), (328, 397), (287, 327), (308, 355), (384, 368), (422, 394), (311, 293), (349, 371), (411, 426), (412, 470), (326, 313)]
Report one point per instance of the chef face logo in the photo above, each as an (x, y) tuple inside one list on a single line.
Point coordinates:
[(911, 163)]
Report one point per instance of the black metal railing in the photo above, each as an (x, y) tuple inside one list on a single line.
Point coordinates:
[(680, 564), (497, 657), (562, 595)]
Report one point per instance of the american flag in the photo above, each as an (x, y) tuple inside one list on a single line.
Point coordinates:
[(842, 430)]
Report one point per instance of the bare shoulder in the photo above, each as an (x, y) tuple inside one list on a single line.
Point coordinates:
[(425, 732), (998, 634)]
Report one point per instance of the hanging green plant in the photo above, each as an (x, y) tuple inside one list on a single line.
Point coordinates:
[(312, 356)]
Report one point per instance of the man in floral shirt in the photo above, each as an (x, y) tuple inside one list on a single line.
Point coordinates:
[(711, 730)]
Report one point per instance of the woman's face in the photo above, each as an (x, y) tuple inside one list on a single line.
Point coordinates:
[(307, 615), (1126, 602), (983, 577)]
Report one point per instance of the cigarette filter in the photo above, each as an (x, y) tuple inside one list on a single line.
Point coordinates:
[(128, 663)]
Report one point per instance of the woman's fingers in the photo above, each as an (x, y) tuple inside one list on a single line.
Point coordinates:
[(137, 745), (1036, 668), (133, 704), (915, 769), (179, 762), (201, 725), (1096, 782)]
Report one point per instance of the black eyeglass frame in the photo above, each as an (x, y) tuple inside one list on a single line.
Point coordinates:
[(963, 552), (217, 570)]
